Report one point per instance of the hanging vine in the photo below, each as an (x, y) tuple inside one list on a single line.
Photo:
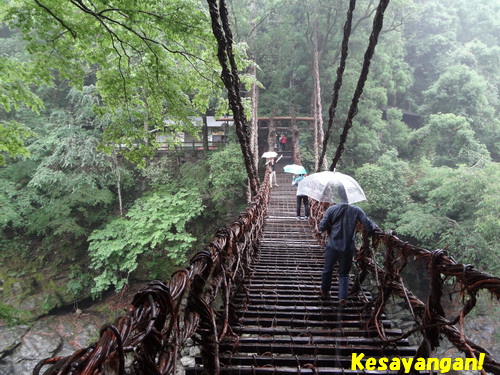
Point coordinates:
[(338, 82), (378, 21), (230, 78)]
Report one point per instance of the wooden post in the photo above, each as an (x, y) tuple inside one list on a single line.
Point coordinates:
[(295, 138), (271, 136)]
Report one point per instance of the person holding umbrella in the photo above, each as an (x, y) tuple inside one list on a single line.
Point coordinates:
[(272, 162), (339, 222), (299, 173), (301, 198)]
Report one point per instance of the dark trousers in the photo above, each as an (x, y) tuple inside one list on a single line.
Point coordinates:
[(344, 258), (303, 198)]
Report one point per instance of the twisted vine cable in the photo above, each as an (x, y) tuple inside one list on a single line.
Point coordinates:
[(230, 78), (338, 82), (378, 22)]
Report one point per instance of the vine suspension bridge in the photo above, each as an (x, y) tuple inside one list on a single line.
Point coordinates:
[(251, 301)]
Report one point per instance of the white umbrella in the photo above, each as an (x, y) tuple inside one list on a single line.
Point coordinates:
[(269, 154), (332, 187)]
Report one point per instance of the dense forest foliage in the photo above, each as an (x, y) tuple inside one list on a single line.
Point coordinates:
[(79, 77)]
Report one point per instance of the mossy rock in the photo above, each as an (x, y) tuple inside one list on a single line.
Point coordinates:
[(35, 294)]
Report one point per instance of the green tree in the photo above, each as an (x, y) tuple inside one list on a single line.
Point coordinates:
[(459, 90), (479, 57), (71, 185), (221, 180), (156, 225), (227, 175), (429, 36), (150, 60), (17, 75), (67, 187), (462, 91), (386, 186), (396, 135), (456, 209), (448, 140), (12, 136), (478, 20)]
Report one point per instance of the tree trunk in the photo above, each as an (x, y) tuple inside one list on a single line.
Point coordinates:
[(295, 138), (271, 136), (314, 125), (318, 113), (205, 134), (254, 137), (146, 159), (118, 181)]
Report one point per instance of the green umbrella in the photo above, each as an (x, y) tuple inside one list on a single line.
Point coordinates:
[(295, 169)]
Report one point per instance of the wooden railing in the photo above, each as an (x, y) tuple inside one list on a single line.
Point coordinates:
[(191, 146)]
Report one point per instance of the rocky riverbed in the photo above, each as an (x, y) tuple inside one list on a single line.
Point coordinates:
[(57, 334), (61, 334)]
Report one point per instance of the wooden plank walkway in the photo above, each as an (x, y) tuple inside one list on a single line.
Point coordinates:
[(284, 326)]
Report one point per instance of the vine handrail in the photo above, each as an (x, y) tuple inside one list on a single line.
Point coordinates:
[(163, 316), (430, 317)]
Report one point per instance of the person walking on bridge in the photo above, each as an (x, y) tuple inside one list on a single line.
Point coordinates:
[(272, 162), (283, 142), (301, 198), (339, 222)]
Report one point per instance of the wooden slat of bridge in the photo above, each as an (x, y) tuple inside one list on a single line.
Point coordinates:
[(284, 327)]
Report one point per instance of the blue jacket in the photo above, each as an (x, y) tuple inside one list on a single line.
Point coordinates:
[(343, 232)]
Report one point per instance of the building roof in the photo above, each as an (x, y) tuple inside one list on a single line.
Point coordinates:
[(212, 121)]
